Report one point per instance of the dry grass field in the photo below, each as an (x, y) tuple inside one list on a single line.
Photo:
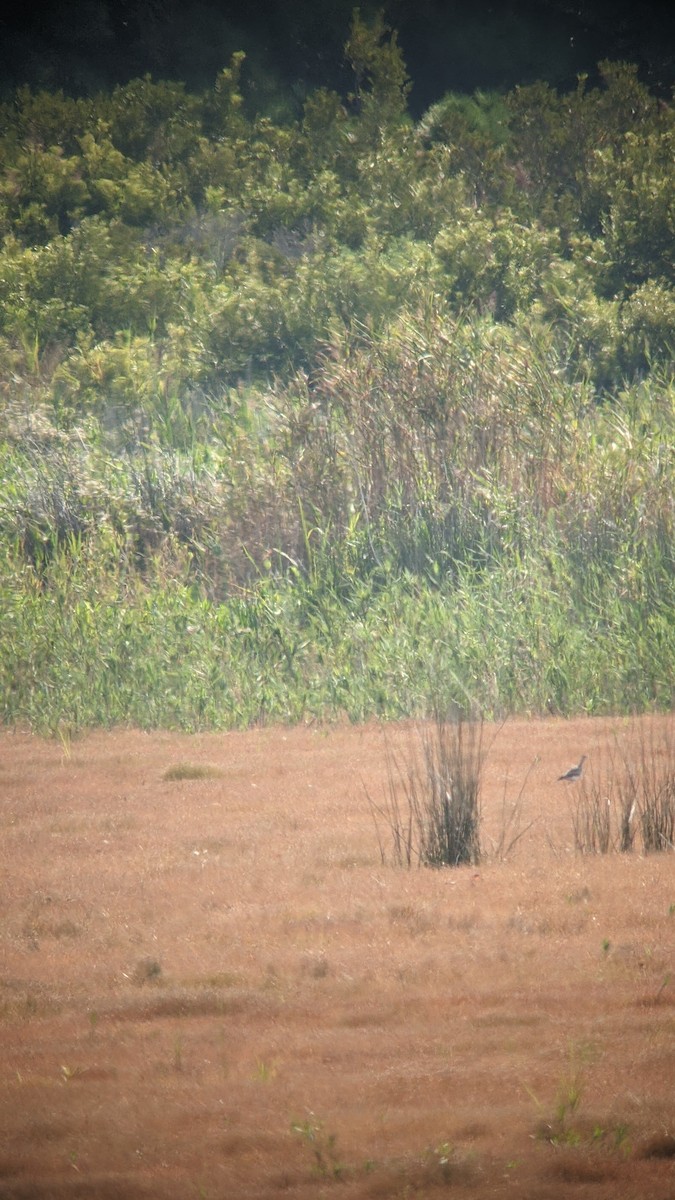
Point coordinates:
[(212, 986)]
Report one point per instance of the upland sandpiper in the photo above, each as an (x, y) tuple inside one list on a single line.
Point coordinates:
[(574, 772)]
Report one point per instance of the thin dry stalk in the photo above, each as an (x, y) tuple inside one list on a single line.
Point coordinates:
[(511, 832), (628, 806), (397, 815), (592, 817)]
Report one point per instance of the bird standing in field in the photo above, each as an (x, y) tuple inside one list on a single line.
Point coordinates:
[(574, 772)]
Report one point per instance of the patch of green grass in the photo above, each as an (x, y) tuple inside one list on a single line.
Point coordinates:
[(186, 770)]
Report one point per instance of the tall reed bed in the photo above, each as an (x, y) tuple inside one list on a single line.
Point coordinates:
[(440, 501), (89, 646)]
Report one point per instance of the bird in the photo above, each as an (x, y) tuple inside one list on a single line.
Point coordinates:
[(574, 772)]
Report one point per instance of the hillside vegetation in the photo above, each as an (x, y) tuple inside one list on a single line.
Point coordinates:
[(345, 416)]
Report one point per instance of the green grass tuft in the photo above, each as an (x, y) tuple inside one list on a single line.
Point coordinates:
[(187, 770)]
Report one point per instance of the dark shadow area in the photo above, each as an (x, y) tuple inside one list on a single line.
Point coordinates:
[(291, 49)]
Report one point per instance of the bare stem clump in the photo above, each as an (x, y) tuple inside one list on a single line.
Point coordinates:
[(627, 799), (431, 807)]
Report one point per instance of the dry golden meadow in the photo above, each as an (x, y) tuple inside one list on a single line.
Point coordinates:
[(211, 986)]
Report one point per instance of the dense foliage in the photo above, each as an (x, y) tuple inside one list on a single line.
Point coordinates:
[(343, 414)]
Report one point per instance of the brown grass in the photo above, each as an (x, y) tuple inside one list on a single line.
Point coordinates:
[(213, 986)]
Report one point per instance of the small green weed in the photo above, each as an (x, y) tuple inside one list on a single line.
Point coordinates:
[(568, 1127), (567, 1106), (443, 1156), (147, 970), (264, 1072), (327, 1164), (69, 1073)]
